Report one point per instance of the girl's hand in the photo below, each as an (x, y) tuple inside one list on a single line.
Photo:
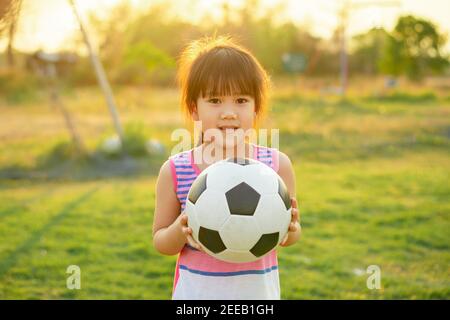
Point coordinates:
[(187, 231), (294, 220)]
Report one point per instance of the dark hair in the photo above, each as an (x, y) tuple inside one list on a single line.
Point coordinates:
[(219, 66)]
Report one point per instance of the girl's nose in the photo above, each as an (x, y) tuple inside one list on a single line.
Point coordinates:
[(228, 115)]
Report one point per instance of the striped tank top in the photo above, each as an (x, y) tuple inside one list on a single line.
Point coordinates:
[(199, 276)]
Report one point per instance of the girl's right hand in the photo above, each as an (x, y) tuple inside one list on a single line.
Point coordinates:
[(187, 231)]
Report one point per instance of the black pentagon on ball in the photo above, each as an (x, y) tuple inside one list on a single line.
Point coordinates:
[(211, 240), (266, 243), (242, 161), (242, 199), (284, 193), (197, 188)]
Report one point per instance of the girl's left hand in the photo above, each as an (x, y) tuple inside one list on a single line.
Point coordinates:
[(294, 219)]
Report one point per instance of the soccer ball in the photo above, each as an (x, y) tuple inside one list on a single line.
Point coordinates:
[(238, 209)]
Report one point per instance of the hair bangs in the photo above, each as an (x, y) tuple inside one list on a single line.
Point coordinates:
[(224, 72)]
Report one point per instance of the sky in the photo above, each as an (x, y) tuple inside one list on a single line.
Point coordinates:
[(50, 24)]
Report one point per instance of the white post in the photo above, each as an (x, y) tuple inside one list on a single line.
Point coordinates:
[(101, 76)]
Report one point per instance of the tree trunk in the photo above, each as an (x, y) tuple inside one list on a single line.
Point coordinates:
[(9, 49), (101, 76)]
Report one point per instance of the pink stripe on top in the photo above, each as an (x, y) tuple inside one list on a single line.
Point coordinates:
[(212, 264)]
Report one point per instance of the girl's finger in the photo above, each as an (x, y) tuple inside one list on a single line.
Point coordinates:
[(183, 219), (292, 227), (294, 215), (294, 202), (193, 243), (284, 239)]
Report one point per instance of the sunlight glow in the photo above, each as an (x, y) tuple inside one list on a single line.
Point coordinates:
[(51, 26)]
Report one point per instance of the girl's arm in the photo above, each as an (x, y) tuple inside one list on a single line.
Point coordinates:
[(286, 172), (168, 233)]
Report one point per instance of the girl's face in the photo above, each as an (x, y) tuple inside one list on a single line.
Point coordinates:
[(225, 112)]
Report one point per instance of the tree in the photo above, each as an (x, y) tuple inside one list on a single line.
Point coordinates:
[(9, 14), (414, 49), (368, 51)]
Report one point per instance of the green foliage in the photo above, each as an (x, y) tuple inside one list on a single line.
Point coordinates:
[(139, 52), (414, 49), (83, 74), (135, 139), (369, 49), (61, 152), (405, 97), (133, 143), (17, 86), (141, 64), (142, 47)]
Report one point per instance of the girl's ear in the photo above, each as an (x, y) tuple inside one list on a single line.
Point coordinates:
[(194, 113)]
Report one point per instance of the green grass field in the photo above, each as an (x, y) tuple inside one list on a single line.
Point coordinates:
[(372, 179)]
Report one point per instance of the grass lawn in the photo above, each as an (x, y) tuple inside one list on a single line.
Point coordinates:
[(372, 184)]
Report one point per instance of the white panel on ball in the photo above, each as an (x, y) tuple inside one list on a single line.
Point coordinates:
[(264, 179), (240, 232), (268, 204), (224, 177), (212, 209)]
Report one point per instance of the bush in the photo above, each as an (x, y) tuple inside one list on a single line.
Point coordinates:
[(18, 86), (134, 139), (59, 153), (404, 97), (133, 144)]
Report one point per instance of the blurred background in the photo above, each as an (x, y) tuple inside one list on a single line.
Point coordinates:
[(88, 103)]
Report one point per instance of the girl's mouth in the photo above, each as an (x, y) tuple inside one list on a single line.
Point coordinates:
[(230, 128)]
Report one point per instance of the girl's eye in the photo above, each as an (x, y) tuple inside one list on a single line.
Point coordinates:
[(242, 100), (214, 100)]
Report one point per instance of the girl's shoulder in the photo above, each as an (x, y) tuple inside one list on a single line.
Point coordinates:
[(177, 165), (182, 157), (267, 155), (261, 148), (280, 160)]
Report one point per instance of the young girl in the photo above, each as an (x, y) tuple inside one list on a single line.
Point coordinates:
[(225, 88)]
